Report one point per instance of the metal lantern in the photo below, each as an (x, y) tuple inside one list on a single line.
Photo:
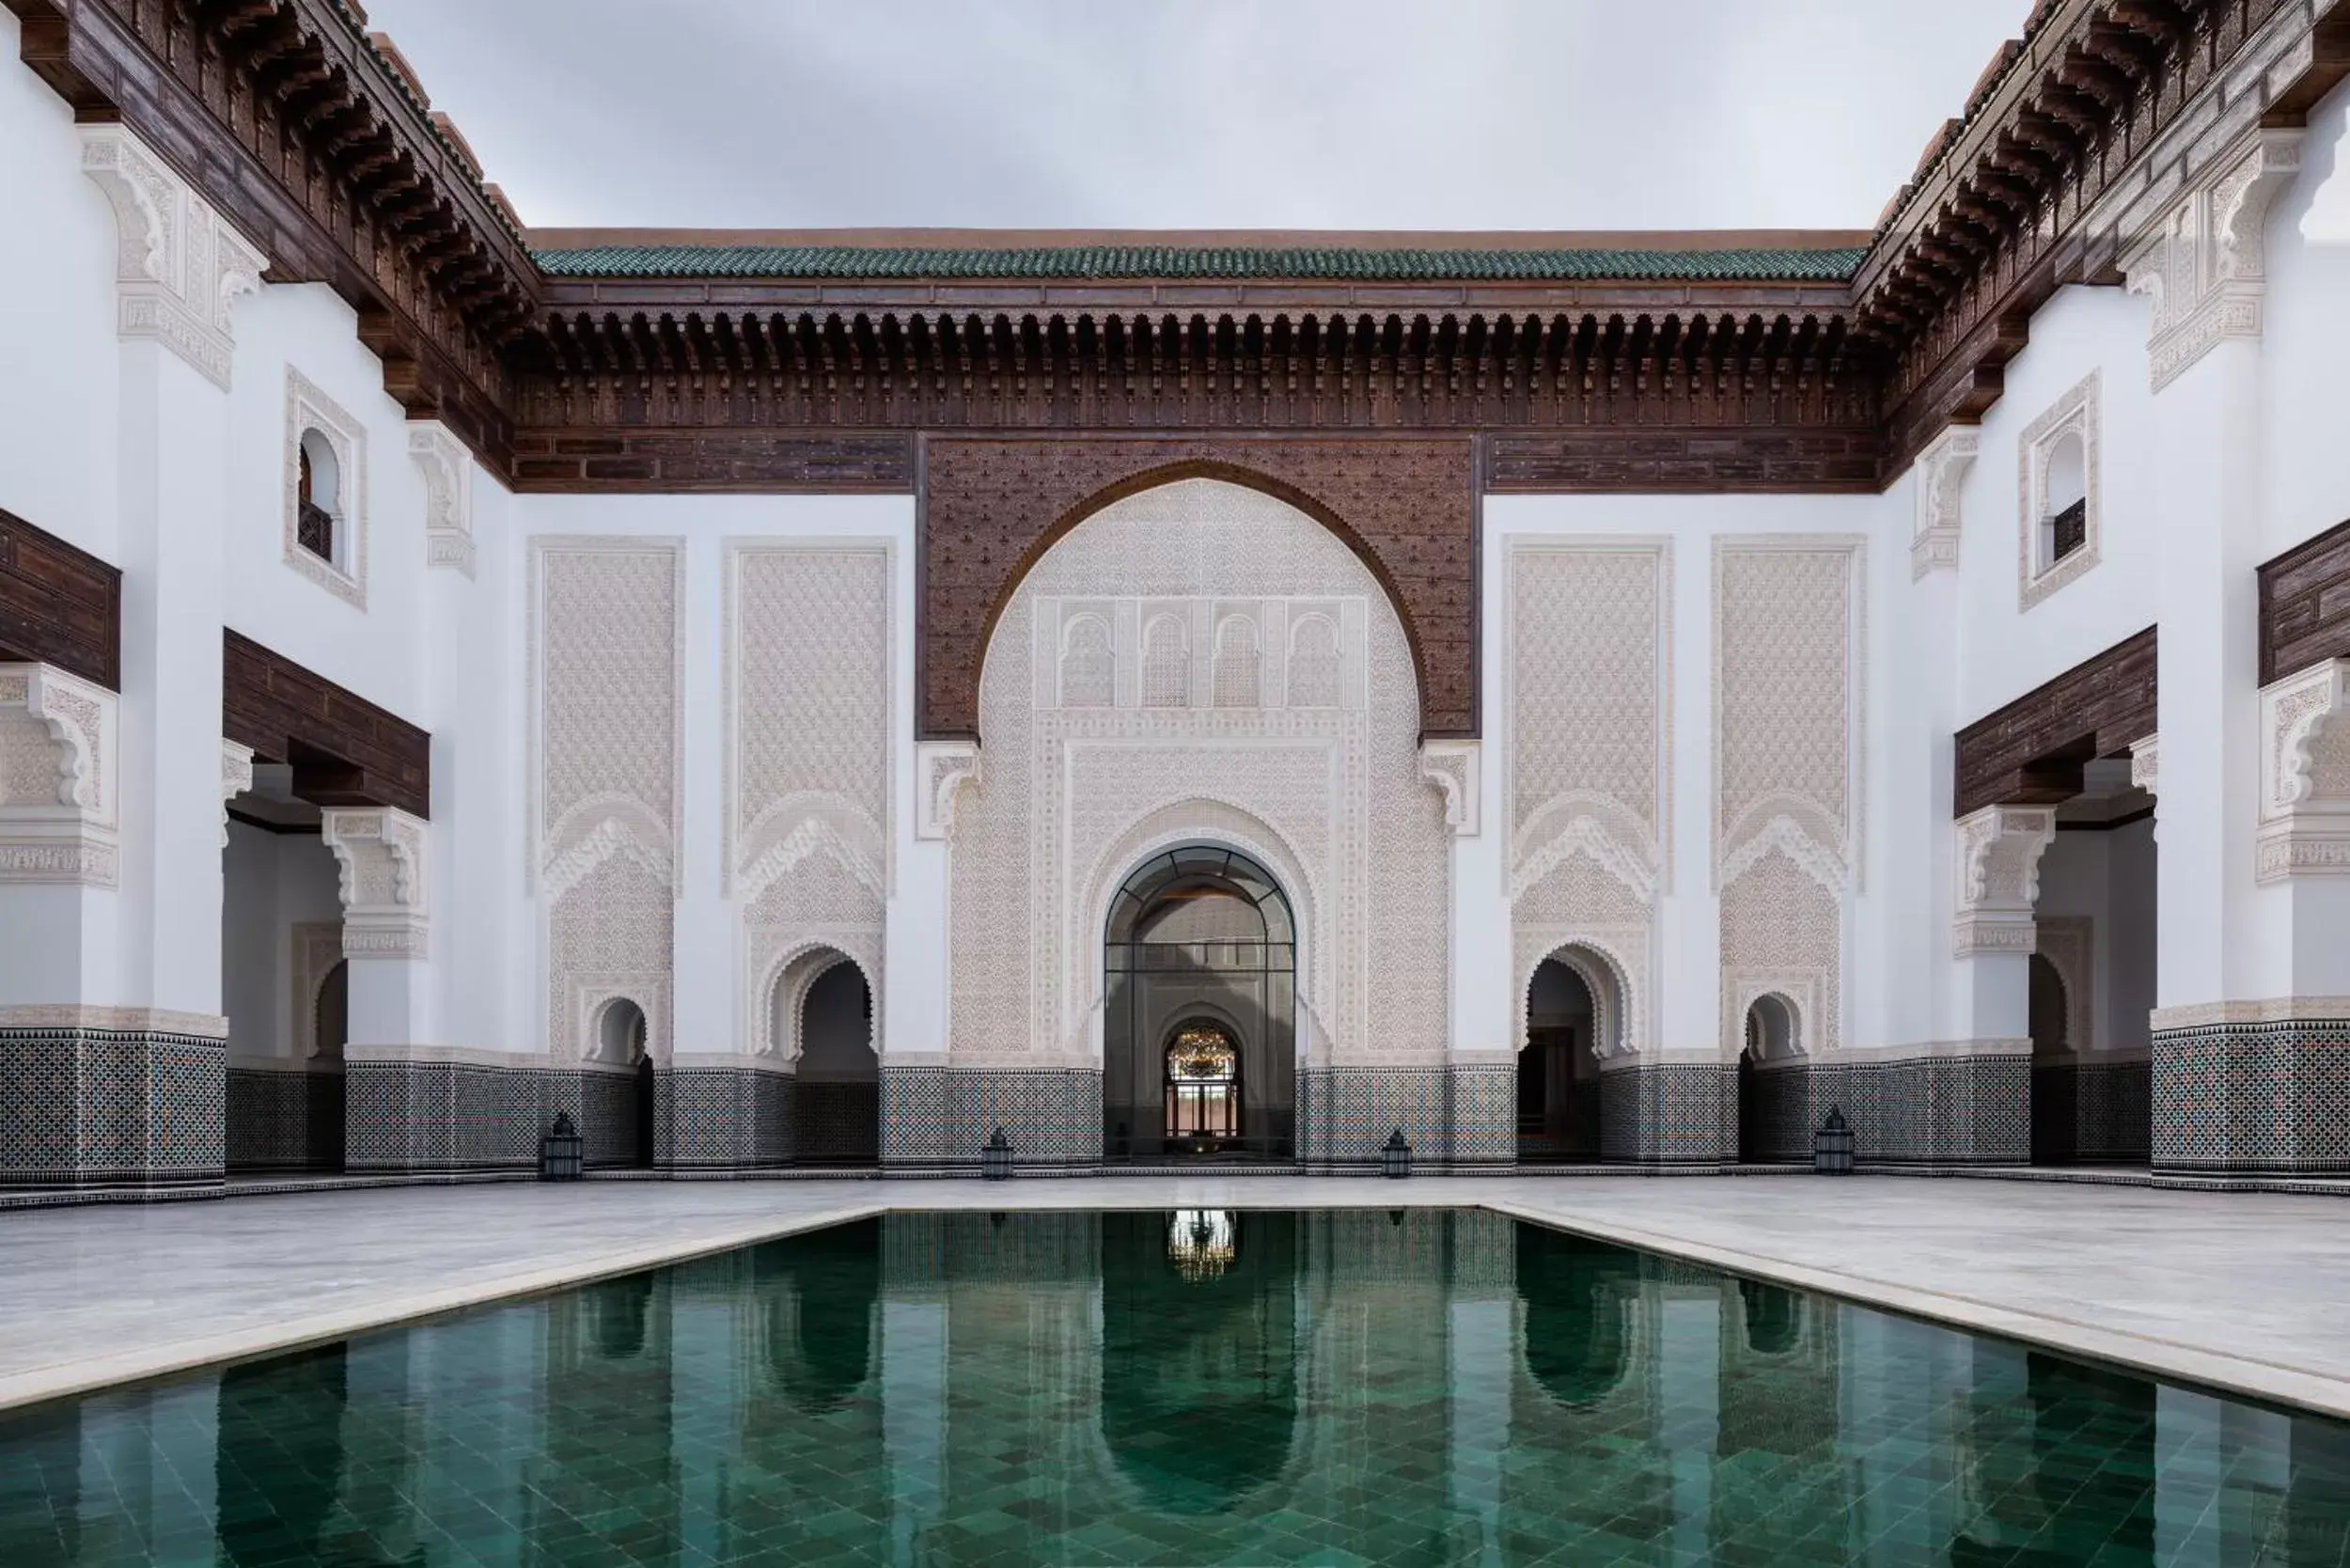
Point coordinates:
[(558, 1152), (1395, 1156), (1831, 1146), (995, 1158)]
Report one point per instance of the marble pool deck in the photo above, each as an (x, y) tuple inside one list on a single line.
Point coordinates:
[(2247, 1291)]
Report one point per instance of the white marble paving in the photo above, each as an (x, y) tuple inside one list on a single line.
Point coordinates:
[(2246, 1291)]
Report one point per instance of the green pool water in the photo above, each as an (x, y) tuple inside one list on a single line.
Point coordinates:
[(1350, 1387)]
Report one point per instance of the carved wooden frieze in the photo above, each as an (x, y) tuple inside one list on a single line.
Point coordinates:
[(668, 462), (58, 606), (991, 506), (2305, 605), (2032, 751), (344, 749)]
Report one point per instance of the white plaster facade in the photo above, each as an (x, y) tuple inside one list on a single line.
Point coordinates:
[(1745, 787)]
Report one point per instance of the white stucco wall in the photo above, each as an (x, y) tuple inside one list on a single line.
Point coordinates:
[(57, 400)]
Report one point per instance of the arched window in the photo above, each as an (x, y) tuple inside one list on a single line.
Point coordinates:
[(1314, 663), (1166, 665), (1237, 683), (318, 498), (2064, 516), (1089, 665), (1202, 1084)]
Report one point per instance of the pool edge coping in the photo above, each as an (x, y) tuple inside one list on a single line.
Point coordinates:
[(2246, 1376)]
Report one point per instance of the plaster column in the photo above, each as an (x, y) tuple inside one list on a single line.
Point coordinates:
[(712, 1040), (132, 1044), (2238, 1072), (386, 922)]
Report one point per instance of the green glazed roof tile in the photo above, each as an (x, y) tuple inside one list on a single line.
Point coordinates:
[(1167, 261)]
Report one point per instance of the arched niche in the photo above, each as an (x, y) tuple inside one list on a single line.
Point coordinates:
[(1199, 947)]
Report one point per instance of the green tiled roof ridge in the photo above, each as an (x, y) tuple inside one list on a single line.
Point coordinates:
[(1344, 263)]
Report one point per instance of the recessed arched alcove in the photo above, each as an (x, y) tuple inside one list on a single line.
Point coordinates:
[(1137, 700), (1199, 999)]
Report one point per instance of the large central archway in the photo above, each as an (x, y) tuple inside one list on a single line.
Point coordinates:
[(1199, 1010)]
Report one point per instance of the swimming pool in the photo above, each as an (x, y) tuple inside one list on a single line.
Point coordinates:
[(1202, 1387)]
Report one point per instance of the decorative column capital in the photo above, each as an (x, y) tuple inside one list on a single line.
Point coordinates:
[(59, 760), (382, 854), (1456, 770), (236, 777), (2202, 260), (2305, 774), (1941, 469), (1998, 877), (941, 768), (178, 264), (447, 469)]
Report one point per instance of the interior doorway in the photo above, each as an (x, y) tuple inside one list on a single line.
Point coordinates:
[(1558, 1098), (1200, 1010)]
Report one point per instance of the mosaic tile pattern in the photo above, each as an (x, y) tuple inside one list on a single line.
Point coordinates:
[(2092, 1113), (942, 1116), (1666, 1113), (1345, 1114), (1484, 1116), (1104, 1389), (1932, 1110), (727, 1119), (835, 1124), (1775, 1116), (279, 1120), (2252, 1097), (98, 1107), (415, 1116)]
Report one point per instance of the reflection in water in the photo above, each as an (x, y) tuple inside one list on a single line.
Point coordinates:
[(1578, 1297), (1199, 1242), (1216, 1388), (1199, 1391)]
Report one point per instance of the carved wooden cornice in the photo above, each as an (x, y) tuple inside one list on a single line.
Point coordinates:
[(1195, 370), (288, 120), (1771, 366), (2073, 133)]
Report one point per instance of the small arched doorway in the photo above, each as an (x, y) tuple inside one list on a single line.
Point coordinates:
[(1773, 1119), (1558, 1098), (823, 1020), (1200, 1010), (621, 1044), (2055, 1087), (1203, 1087)]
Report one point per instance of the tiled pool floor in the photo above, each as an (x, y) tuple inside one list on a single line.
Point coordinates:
[(1344, 1386), (2240, 1290)]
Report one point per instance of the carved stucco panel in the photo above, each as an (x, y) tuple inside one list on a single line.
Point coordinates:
[(607, 633), (1066, 788), (1789, 633)]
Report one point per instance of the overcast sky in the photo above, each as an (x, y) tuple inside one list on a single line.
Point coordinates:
[(1158, 114)]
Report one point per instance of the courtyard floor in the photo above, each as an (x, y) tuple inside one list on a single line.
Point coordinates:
[(2244, 1291)]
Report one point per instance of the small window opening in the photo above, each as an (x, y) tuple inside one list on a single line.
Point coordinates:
[(318, 497), (2064, 527)]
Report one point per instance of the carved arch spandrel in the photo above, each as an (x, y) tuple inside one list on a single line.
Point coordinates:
[(1406, 506)]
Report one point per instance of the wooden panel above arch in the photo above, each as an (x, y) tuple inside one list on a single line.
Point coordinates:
[(344, 749), (58, 606), (991, 506), (2031, 752)]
